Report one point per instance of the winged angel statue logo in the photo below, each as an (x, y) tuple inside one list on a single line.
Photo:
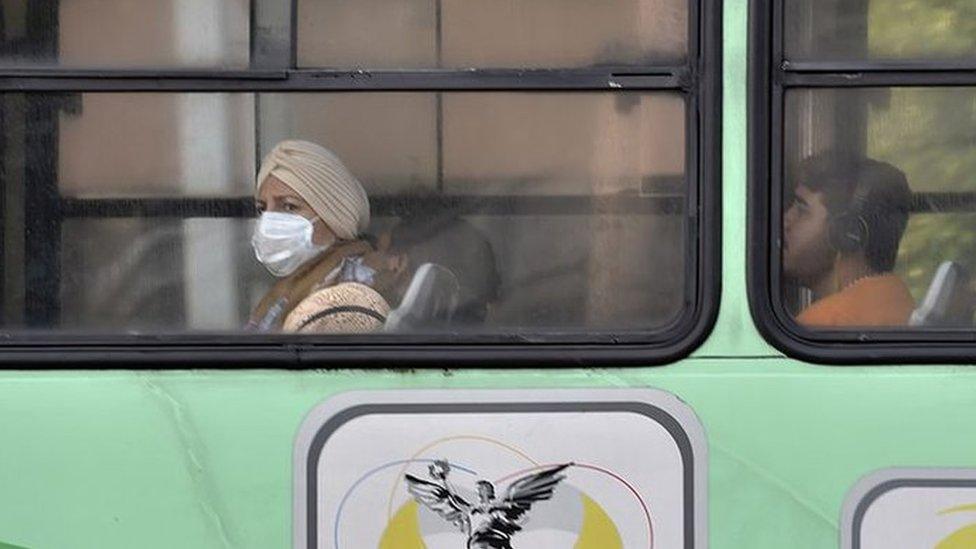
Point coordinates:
[(491, 522)]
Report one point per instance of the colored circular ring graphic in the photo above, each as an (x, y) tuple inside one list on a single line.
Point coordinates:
[(536, 466)]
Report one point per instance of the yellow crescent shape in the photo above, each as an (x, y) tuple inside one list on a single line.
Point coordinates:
[(959, 509), (960, 539), (403, 530), (598, 530)]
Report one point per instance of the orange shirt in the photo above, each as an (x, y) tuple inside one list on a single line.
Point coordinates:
[(875, 301)]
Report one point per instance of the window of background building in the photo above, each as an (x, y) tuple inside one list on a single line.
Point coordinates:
[(890, 81), (571, 138)]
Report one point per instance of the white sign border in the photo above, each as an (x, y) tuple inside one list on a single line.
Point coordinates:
[(667, 402)]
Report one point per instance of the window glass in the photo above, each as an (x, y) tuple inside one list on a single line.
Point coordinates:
[(504, 33), (880, 29), (133, 274), (502, 143), (125, 33), (549, 212), (153, 144), (880, 234), (389, 140)]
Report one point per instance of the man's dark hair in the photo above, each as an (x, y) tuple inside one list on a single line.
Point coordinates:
[(456, 244), (859, 186)]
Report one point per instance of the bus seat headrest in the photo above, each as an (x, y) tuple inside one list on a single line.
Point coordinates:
[(949, 300), (429, 302)]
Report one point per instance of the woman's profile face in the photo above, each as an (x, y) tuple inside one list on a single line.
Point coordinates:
[(275, 196)]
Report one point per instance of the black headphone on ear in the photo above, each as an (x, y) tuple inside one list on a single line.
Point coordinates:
[(849, 229)]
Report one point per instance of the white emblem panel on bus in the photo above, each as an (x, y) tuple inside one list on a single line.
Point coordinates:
[(919, 508), (495, 469)]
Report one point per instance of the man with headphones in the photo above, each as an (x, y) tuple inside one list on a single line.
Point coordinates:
[(840, 240)]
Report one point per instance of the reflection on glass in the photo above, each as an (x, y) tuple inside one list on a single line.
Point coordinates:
[(126, 33), (389, 140), (162, 274), (560, 144), (492, 143), (540, 212), (154, 144), (503, 33), (927, 136), (599, 271), (880, 29)]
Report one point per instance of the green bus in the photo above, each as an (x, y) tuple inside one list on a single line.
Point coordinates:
[(566, 299)]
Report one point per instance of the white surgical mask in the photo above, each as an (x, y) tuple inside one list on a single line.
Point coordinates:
[(283, 242)]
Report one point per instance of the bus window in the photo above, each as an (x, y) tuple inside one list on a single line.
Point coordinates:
[(557, 198), (871, 190), (187, 191)]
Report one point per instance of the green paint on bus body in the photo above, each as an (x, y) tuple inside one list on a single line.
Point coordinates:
[(203, 459), (735, 333)]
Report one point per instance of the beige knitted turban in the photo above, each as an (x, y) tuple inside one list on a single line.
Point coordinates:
[(347, 308), (321, 179)]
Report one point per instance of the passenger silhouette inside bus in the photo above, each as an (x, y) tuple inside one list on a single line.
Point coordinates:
[(450, 242), (841, 234)]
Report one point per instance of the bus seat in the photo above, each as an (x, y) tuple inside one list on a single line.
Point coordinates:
[(949, 301), (430, 300)]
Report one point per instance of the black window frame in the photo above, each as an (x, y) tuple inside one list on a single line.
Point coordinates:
[(771, 75), (274, 69)]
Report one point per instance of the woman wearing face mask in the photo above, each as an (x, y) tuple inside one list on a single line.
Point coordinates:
[(310, 234)]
